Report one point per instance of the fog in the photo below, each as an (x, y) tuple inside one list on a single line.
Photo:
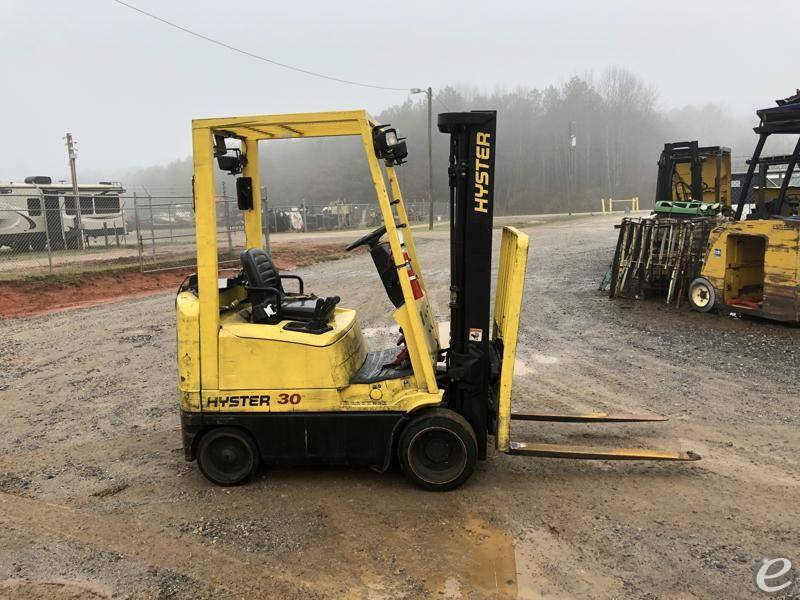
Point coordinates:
[(128, 86)]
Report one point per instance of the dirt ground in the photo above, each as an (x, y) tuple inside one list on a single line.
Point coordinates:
[(43, 294), (96, 500)]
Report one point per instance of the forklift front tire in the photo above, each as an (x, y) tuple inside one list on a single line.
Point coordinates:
[(227, 456), (702, 296), (438, 450)]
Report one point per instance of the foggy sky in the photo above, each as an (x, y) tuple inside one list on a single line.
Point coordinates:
[(127, 87)]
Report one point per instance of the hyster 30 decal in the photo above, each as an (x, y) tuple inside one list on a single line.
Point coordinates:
[(250, 401)]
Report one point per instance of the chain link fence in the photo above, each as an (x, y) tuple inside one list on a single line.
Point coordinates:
[(46, 235)]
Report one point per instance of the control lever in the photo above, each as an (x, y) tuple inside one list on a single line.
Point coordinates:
[(322, 307)]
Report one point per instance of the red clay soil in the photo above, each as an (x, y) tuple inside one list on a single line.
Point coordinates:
[(24, 298)]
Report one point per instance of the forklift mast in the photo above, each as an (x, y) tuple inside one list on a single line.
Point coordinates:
[(480, 360), (471, 358), (672, 154), (691, 153)]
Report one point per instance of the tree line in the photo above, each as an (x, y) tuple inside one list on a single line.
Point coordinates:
[(618, 131)]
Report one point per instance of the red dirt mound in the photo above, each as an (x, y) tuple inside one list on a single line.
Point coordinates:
[(27, 297)]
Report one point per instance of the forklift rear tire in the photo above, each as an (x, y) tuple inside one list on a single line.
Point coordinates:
[(437, 450), (227, 456), (702, 296)]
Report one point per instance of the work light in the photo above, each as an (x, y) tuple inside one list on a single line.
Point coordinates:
[(232, 164), (388, 146)]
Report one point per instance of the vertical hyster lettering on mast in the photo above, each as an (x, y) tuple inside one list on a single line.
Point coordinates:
[(483, 153)]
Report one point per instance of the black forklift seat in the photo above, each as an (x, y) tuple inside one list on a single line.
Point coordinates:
[(271, 303)]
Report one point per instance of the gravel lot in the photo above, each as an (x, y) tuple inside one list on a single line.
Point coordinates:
[(96, 500)]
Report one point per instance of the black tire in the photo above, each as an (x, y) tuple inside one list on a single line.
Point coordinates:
[(437, 450), (227, 456), (702, 295)]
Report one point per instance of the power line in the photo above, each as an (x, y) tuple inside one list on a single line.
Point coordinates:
[(256, 56), (440, 101)]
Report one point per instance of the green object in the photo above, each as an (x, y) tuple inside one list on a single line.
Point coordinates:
[(606, 278), (693, 208)]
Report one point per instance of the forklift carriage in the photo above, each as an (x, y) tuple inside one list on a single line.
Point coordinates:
[(278, 377)]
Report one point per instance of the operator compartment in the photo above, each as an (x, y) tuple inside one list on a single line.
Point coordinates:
[(270, 336)]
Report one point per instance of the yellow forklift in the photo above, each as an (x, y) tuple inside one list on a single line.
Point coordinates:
[(693, 181), (752, 266), (279, 377), (660, 255)]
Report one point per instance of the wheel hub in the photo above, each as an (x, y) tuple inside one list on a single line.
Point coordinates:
[(701, 296), (437, 455), (227, 456), (438, 450)]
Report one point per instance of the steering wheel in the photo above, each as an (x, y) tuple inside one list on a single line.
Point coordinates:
[(371, 239)]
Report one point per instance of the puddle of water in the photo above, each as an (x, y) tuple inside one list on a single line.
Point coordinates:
[(529, 581), (474, 559), (488, 568)]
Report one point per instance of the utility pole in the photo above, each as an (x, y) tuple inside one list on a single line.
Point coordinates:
[(572, 184), (429, 93), (75, 198), (265, 217), (430, 159)]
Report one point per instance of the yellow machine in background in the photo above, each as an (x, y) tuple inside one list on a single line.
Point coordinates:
[(752, 266), (693, 180), (661, 254), (770, 196), (281, 377), (771, 172)]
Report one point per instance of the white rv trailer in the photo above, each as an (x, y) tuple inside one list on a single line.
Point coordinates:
[(37, 211)]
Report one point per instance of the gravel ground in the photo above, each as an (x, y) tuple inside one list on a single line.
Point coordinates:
[(97, 502)]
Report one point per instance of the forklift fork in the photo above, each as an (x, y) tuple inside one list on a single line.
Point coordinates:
[(599, 417), (508, 305), (593, 453)]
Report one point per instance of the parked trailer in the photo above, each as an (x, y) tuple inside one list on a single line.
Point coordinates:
[(38, 210)]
